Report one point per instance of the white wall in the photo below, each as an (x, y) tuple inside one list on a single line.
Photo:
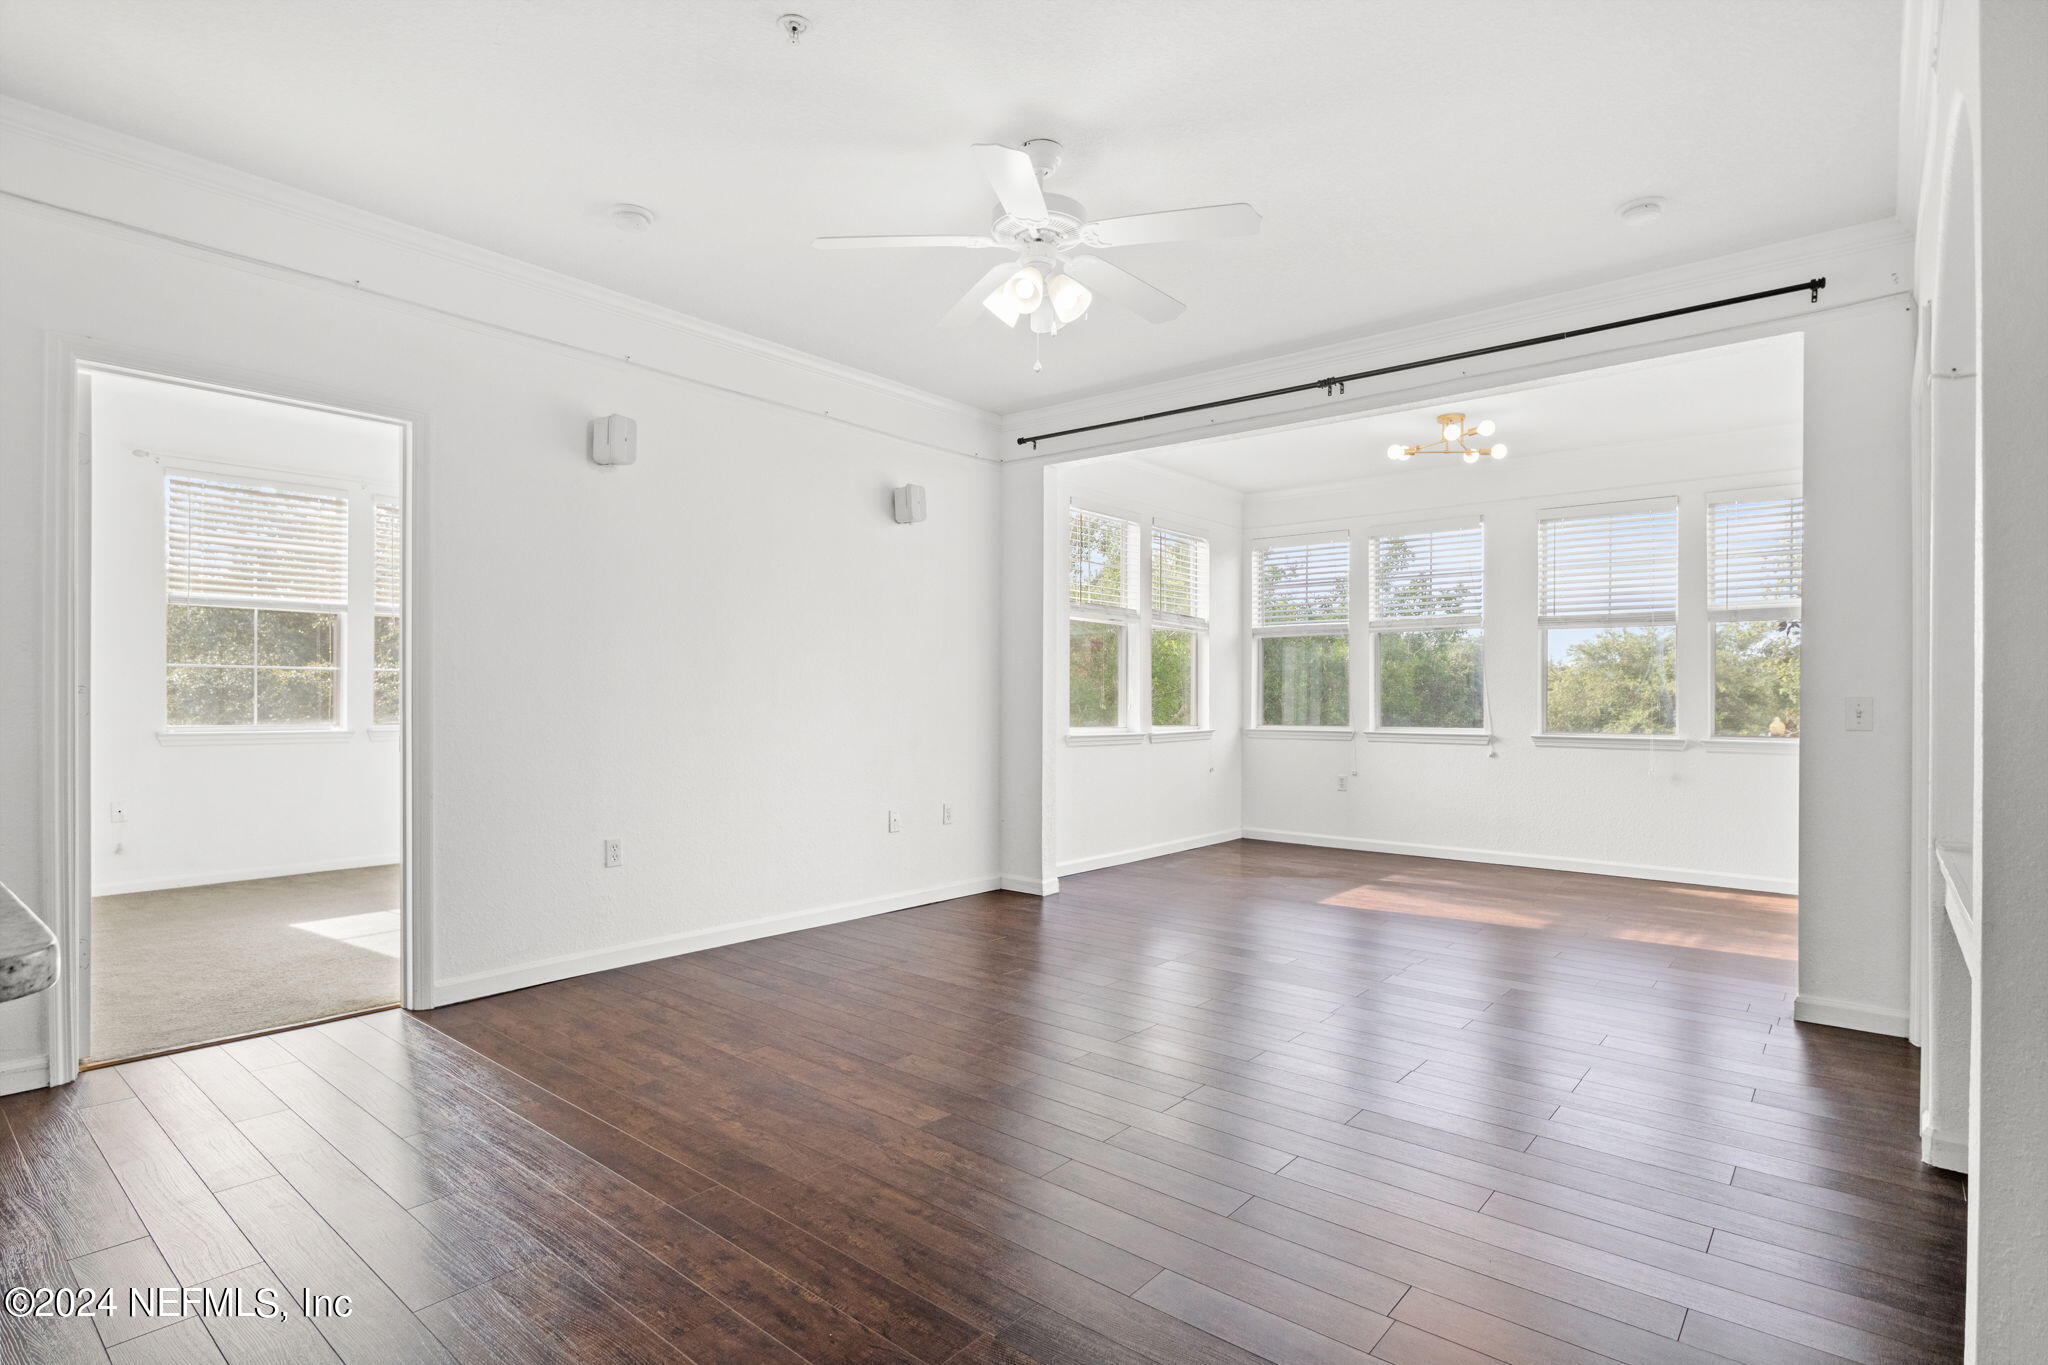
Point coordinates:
[(727, 655), (1982, 121), (221, 809), (1711, 814), (1156, 794)]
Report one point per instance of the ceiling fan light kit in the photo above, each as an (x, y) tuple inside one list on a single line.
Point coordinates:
[(1456, 440), (1051, 279)]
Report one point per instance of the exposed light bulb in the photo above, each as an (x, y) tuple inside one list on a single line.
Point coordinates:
[(1486, 427), (1451, 432), (1026, 289), (1499, 452), (1070, 298), (1397, 452), (1471, 457)]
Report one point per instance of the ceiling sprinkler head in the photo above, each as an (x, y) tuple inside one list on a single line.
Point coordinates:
[(793, 26), (631, 217), (1642, 212)]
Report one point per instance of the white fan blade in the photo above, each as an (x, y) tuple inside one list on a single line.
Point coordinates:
[(1014, 179), (1121, 286), (852, 243), (969, 308), (1174, 225)]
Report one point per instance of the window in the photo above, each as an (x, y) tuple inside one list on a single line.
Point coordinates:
[(1607, 590), (256, 580), (1179, 628), (386, 671), (1755, 547), (1301, 621), (1429, 658), (1102, 574)]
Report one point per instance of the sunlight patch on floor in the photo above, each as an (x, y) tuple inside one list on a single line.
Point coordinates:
[(376, 932)]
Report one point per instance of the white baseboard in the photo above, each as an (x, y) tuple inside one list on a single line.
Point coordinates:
[(1819, 1009), (1132, 855), (24, 1073), (1030, 886), (470, 987), (1691, 876), (1943, 1149), (241, 874)]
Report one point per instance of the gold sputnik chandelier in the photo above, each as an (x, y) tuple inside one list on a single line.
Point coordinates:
[(1455, 441)]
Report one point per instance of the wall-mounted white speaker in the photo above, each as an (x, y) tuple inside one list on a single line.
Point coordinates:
[(910, 503), (614, 440)]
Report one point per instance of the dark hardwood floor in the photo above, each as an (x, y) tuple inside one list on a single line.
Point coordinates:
[(1252, 1102)]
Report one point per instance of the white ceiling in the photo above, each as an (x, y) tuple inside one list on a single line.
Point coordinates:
[(1730, 388), (1412, 158)]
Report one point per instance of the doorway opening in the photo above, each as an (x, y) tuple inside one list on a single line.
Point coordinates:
[(247, 675), (1554, 625)]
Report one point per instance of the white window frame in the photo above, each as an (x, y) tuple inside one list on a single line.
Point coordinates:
[(1377, 626), (1673, 619), (1130, 694), (1788, 610), (252, 476), (1197, 625), (378, 612), (1257, 634)]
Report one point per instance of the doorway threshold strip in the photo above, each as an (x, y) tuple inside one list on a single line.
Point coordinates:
[(91, 1064), (1335, 383)]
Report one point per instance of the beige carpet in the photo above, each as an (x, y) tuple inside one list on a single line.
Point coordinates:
[(172, 968)]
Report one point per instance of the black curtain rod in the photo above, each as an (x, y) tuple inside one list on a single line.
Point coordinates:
[(1335, 384)]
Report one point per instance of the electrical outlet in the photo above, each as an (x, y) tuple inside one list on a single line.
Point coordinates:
[(946, 813), (614, 853), (117, 813), (1860, 714), (895, 823)]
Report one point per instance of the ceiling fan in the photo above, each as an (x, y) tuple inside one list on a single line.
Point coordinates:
[(1051, 278)]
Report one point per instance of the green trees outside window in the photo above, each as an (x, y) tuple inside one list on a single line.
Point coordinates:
[(1095, 675), (1756, 679), (248, 666), (1175, 658), (1432, 679), (1611, 680), (1305, 680)]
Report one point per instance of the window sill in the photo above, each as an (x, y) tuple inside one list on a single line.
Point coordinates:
[(1302, 732), (1430, 736), (1176, 736), (1728, 744), (1672, 742), (1092, 737), (385, 733), (254, 734)]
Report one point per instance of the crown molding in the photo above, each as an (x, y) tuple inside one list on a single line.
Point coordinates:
[(144, 166), (1860, 262)]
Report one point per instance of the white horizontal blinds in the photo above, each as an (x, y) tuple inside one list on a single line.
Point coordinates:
[(1100, 569), (1180, 576), (390, 558), (1620, 565), (1429, 575), (230, 542), (1303, 584), (1756, 548)]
